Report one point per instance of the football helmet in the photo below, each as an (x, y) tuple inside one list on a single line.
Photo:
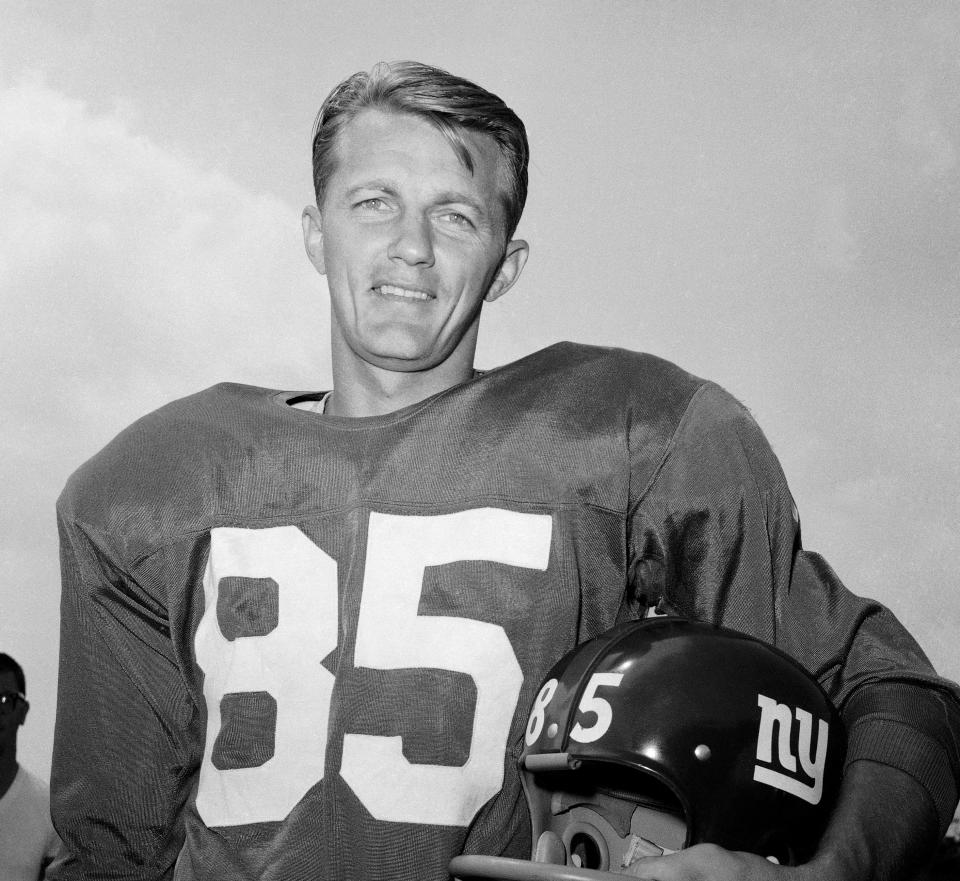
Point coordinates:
[(664, 733)]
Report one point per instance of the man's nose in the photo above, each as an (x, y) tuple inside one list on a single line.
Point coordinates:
[(413, 241)]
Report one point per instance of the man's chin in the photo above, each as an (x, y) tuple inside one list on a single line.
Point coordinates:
[(404, 355), (406, 346), (398, 363)]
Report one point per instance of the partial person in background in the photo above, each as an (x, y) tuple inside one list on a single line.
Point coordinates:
[(28, 841)]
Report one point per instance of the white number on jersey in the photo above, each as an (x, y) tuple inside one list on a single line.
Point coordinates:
[(390, 635)]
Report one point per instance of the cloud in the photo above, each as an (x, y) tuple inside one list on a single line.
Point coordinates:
[(121, 261)]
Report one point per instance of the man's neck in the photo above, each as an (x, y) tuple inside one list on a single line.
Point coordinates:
[(372, 391)]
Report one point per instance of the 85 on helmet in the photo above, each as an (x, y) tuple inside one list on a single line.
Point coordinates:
[(664, 733)]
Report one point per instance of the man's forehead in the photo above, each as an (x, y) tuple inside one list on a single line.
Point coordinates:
[(377, 134)]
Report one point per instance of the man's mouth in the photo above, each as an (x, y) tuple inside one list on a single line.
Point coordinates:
[(392, 290)]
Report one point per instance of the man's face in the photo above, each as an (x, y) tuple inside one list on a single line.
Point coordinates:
[(410, 241), (10, 722)]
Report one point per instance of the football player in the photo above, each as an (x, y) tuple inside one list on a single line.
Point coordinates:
[(301, 630)]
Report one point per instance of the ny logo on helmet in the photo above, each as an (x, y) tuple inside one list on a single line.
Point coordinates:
[(778, 768)]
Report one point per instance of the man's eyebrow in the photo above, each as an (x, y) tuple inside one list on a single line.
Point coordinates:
[(381, 184), (454, 197)]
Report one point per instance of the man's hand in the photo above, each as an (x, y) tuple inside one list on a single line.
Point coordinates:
[(707, 862)]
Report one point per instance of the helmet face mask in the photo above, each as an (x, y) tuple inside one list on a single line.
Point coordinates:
[(664, 733)]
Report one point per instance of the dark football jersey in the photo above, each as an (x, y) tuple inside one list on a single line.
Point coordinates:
[(298, 646)]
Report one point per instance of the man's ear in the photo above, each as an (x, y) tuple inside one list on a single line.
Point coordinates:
[(313, 238), (511, 266)]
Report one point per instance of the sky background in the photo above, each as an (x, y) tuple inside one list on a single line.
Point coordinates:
[(766, 193)]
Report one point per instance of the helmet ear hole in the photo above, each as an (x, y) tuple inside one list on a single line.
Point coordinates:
[(587, 850)]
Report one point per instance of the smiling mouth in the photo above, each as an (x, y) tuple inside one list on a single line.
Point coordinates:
[(394, 291)]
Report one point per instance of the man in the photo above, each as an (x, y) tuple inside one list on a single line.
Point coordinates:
[(314, 623), (28, 842)]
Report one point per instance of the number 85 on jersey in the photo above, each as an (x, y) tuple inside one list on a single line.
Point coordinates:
[(282, 668)]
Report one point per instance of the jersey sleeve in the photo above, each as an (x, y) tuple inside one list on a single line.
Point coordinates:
[(714, 535), (121, 766)]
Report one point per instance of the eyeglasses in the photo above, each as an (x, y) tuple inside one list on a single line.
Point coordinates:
[(8, 701)]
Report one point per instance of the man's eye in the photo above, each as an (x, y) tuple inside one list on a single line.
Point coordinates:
[(373, 204), (457, 219)]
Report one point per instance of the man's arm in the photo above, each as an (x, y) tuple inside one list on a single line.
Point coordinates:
[(120, 771), (716, 538), (883, 828)]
